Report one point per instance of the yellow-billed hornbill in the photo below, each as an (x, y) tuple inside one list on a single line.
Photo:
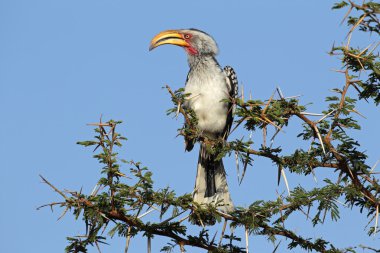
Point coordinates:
[(210, 88)]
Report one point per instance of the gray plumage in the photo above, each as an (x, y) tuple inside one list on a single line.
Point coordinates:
[(209, 87)]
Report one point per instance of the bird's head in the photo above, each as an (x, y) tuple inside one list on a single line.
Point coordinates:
[(194, 41)]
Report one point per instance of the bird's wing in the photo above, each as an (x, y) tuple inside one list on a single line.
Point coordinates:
[(232, 83), (189, 143)]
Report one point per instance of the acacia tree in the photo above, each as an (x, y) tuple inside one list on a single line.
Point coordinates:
[(122, 201)]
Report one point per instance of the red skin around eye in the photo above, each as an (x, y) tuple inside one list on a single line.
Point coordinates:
[(190, 50)]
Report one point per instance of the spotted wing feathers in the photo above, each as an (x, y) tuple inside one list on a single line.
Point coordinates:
[(232, 82)]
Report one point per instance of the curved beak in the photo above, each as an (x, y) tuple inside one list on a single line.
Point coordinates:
[(168, 37)]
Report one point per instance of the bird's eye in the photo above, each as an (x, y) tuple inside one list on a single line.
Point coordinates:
[(187, 36)]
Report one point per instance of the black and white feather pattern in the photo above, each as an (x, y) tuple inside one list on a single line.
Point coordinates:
[(211, 183), (211, 92), (232, 82)]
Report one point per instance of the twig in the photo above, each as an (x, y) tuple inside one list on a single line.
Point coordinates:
[(357, 23), (173, 217), (182, 248), (273, 137), (275, 249), (358, 113), (64, 212), (365, 49), (370, 248), (237, 165), (376, 220), (312, 114), (242, 92), (177, 112), (146, 213), (285, 179), (96, 189), (184, 218), (320, 139), (280, 92), (265, 136), (97, 246), (128, 240), (314, 176), (213, 238), (51, 205), (345, 16), (149, 242), (54, 188), (149, 211), (325, 116), (295, 96), (374, 166), (244, 170), (373, 49), (246, 240), (180, 107), (223, 231)]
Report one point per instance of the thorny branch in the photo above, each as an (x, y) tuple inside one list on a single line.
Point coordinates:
[(114, 202), (134, 222)]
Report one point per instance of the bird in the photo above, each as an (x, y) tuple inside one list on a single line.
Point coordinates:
[(210, 90)]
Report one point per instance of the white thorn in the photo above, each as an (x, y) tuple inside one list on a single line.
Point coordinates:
[(280, 92), (312, 114), (326, 116), (286, 180)]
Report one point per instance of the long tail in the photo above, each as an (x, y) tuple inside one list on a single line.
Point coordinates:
[(211, 184)]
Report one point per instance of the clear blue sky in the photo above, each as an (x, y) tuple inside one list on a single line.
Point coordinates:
[(63, 63)]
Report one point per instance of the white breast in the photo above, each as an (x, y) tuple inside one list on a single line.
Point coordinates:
[(208, 88)]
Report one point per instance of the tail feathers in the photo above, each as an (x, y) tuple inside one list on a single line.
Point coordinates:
[(207, 161), (211, 184)]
